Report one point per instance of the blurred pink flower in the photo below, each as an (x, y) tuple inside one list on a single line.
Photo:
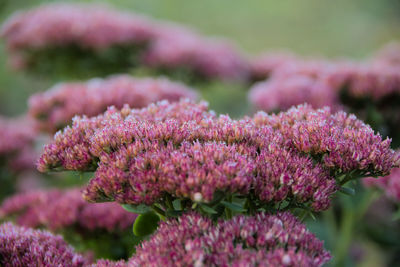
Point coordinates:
[(17, 138), (58, 209), (55, 108)]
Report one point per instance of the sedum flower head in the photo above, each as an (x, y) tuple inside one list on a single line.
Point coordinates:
[(57, 209), (17, 138), (178, 48), (97, 30), (280, 92), (24, 247), (292, 80), (85, 26), (56, 107), (390, 184), (260, 240), (264, 65), (343, 142), (185, 151)]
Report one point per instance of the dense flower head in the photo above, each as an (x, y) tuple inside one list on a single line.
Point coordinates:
[(284, 64), (15, 134), (389, 184), (343, 141), (293, 81), (260, 240), (24, 247), (17, 137), (58, 209), (365, 80), (155, 44), (184, 150), (179, 48), (82, 25), (56, 107), (264, 65), (280, 92)]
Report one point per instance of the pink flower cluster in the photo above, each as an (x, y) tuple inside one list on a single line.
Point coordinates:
[(97, 28), (23, 247), (293, 81), (285, 63), (55, 108), (389, 184), (281, 92), (343, 142), (186, 151), (264, 65), (83, 25), (16, 143), (57, 209), (260, 240), (372, 81), (178, 48)]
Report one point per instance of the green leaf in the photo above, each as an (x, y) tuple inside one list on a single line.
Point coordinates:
[(138, 209), (217, 197), (177, 204), (233, 206), (341, 177), (396, 215), (208, 209), (173, 213), (145, 224), (239, 200), (347, 191)]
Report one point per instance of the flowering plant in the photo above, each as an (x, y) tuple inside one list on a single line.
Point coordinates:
[(173, 157), (17, 154), (81, 223), (20, 246), (54, 109), (200, 189), (76, 40), (370, 88)]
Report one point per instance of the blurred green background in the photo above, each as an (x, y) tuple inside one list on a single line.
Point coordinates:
[(340, 28)]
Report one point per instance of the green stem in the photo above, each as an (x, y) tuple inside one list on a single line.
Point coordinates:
[(159, 211), (345, 235), (329, 218), (303, 215), (368, 198), (346, 179), (354, 175), (351, 216), (168, 202), (228, 212)]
